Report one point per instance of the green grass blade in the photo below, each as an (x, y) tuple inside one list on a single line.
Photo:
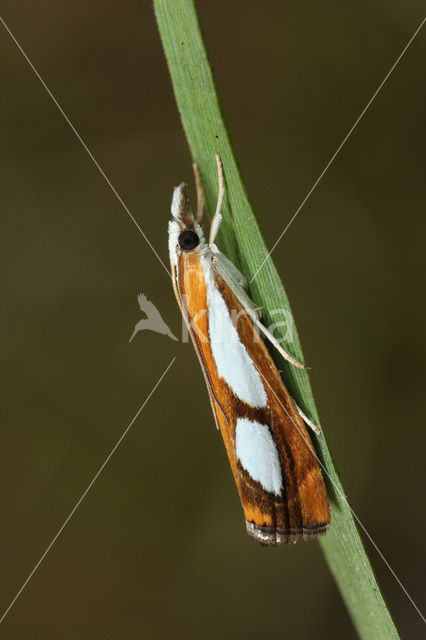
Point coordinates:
[(242, 241)]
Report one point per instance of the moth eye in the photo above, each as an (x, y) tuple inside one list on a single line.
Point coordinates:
[(188, 240)]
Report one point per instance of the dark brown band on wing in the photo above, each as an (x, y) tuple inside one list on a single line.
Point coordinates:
[(270, 536)]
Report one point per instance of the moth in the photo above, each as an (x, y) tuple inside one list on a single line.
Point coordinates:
[(271, 455)]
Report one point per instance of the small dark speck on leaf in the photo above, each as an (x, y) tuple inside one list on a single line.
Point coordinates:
[(216, 136)]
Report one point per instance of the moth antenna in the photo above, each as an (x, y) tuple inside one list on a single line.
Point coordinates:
[(217, 218), (201, 200)]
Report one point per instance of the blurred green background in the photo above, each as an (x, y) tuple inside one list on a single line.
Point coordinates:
[(158, 548)]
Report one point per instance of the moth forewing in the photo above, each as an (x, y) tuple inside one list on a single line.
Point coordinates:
[(271, 456), (300, 509)]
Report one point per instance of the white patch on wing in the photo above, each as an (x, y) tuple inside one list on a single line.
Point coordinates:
[(233, 362), (257, 452)]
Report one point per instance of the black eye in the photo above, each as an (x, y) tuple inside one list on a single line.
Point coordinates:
[(188, 240)]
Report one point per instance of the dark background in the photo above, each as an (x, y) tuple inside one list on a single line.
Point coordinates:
[(158, 547)]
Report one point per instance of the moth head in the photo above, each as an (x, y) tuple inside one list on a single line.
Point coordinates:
[(185, 234)]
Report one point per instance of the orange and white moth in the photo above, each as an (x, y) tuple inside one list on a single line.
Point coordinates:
[(272, 458)]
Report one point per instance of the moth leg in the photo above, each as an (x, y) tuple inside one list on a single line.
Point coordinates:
[(276, 344), (305, 419), (201, 200), (222, 268), (217, 218)]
